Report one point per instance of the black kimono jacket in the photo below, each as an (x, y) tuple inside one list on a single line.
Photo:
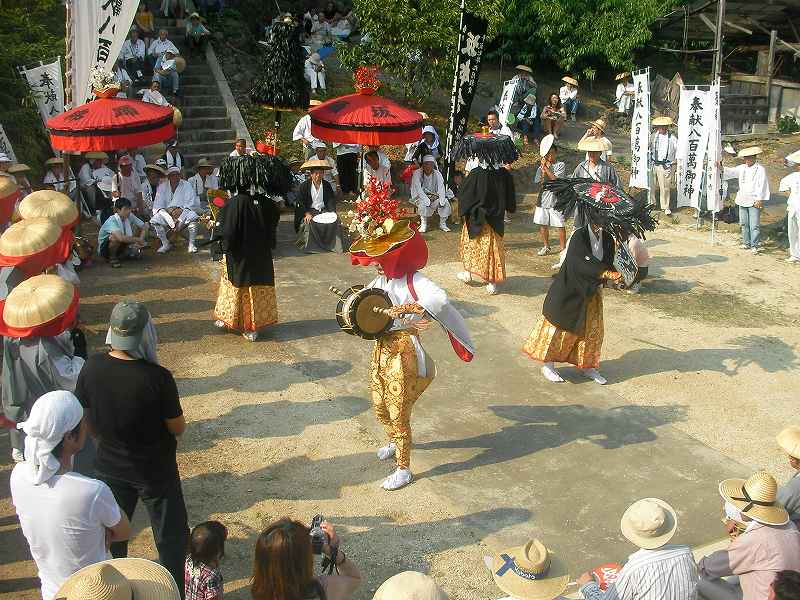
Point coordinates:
[(248, 231), (485, 197), (576, 282), (304, 201)]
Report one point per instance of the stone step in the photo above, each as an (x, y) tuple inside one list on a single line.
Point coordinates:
[(202, 99), (189, 134), (207, 87), (199, 78), (209, 147), (192, 112), (207, 123), (214, 157)]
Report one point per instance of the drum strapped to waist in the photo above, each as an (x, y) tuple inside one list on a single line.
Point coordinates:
[(362, 311)]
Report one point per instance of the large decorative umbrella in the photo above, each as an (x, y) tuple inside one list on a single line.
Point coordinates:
[(365, 118)]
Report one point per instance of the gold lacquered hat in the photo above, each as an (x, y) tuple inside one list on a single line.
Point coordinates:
[(50, 204), (392, 234), (29, 236)]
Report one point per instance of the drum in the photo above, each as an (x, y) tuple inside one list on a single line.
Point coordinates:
[(355, 312)]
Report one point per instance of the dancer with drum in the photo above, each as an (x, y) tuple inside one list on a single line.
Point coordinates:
[(401, 369)]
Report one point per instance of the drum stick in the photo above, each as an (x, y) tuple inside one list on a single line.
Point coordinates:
[(335, 291), (388, 312)]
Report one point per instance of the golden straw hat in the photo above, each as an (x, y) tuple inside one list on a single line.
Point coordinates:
[(29, 236), (649, 523), (410, 585), (569, 80), (399, 232), (524, 68), (789, 441), (120, 579), (751, 151), (599, 123), (663, 122), (621, 76), (54, 161), (592, 144), (18, 168), (530, 572), (177, 117), (7, 187), (315, 163), (756, 498), (37, 300), (51, 204)]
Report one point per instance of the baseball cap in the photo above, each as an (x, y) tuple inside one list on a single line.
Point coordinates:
[(126, 326)]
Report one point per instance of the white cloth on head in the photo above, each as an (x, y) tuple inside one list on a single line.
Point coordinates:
[(184, 196), (53, 416)]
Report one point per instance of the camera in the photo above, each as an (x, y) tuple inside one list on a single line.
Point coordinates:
[(318, 536)]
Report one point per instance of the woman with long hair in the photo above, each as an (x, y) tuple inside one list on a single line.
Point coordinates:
[(283, 568), (554, 115)]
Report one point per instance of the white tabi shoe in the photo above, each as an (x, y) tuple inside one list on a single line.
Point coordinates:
[(423, 225), (17, 456), (444, 227), (219, 324), (387, 451), (792, 259), (192, 249), (464, 276), (667, 211), (250, 336), (556, 266), (400, 478), (744, 247), (635, 288), (164, 248), (754, 250), (544, 250), (594, 375), (551, 374), (491, 289)]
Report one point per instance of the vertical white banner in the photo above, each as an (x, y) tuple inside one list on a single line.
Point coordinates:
[(48, 88), (5, 145), (504, 108), (714, 178), (99, 28), (640, 131), (692, 145)]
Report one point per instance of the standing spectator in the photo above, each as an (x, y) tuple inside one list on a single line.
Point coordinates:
[(202, 575), (789, 494), (658, 570), (753, 192), (663, 147), (569, 96), (197, 34), (145, 23), (791, 184), (135, 414), (315, 73), (302, 132), (133, 54), (554, 115), (347, 166), (597, 130), (153, 95), (66, 518), (127, 184), (546, 216)]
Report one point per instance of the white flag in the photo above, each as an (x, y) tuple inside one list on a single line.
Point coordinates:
[(640, 132), (5, 145), (48, 88), (99, 28), (692, 145), (714, 179), (504, 108)]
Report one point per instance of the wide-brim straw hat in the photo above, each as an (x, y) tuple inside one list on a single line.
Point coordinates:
[(649, 523), (546, 144), (50, 204), (54, 161), (621, 76), (120, 579), (18, 168), (600, 124), (592, 144), (410, 585), (37, 300), (96, 156), (794, 157), (204, 162), (751, 151), (180, 64), (155, 168), (756, 498), (315, 164), (789, 441), (524, 68), (8, 188), (663, 122), (29, 236), (570, 80), (530, 572)]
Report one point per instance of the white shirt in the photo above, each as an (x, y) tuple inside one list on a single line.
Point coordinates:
[(547, 198), (503, 130), (317, 200), (121, 77), (182, 197), (158, 48), (422, 184), (64, 521), (383, 174), (791, 184), (663, 147), (624, 102), (596, 241), (131, 50), (302, 131), (57, 182), (128, 187), (200, 186), (173, 160), (753, 184), (154, 97), (342, 149), (139, 164), (331, 173), (567, 92), (87, 176)]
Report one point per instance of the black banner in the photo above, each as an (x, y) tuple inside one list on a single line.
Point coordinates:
[(472, 35)]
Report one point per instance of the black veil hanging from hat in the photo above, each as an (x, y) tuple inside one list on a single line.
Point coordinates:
[(266, 174), (490, 148)]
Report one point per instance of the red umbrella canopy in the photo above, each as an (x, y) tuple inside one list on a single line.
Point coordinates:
[(365, 119), (111, 124)]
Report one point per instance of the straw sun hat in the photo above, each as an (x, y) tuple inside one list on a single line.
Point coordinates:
[(663, 122), (649, 523), (54, 161), (37, 300), (18, 168), (755, 498), (96, 156), (621, 76), (592, 144), (530, 572), (409, 585), (51, 204), (315, 164), (789, 441), (569, 80), (29, 236), (599, 123), (751, 151), (524, 68), (120, 579)]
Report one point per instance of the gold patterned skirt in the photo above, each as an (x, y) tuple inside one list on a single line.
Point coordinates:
[(548, 343), (246, 308), (484, 255)]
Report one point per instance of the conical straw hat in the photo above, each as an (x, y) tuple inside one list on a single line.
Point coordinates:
[(29, 236), (120, 579), (51, 204), (7, 187), (592, 144), (37, 300), (756, 498), (751, 151), (530, 572), (789, 441)]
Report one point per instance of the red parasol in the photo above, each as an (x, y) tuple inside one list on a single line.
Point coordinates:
[(110, 124)]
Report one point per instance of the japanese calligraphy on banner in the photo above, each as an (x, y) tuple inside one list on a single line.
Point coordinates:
[(99, 28), (640, 131), (5, 145), (47, 87), (506, 100), (468, 63), (714, 179), (693, 133)]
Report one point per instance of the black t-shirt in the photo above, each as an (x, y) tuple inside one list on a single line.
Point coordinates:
[(127, 402)]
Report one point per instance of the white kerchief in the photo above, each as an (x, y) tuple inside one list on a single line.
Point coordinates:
[(124, 225)]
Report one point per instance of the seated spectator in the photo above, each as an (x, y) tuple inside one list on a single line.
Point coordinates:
[(197, 34), (19, 172), (159, 46), (625, 93), (202, 575), (409, 585), (132, 578), (145, 23), (203, 180), (93, 171), (133, 55), (103, 200), (429, 144), (331, 175), (165, 72), (155, 175), (54, 176), (316, 222), (786, 586), (649, 524), (769, 542), (315, 73), (789, 493), (642, 257), (176, 207), (116, 240), (154, 96), (284, 563), (569, 96), (127, 184), (66, 518), (173, 157), (429, 195), (330, 11), (554, 116)]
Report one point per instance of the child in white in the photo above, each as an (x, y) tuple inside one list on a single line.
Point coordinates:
[(791, 184)]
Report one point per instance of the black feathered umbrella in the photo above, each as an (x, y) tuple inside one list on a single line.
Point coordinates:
[(493, 149), (269, 175)]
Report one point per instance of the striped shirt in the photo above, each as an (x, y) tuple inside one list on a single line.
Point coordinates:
[(668, 573)]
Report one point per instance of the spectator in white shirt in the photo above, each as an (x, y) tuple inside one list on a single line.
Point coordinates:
[(203, 180), (753, 192), (315, 73), (791, 184), (123, 79), (240, 148), (155, 175), (166, 72), (138, 160), (569, 96), (66, 518), (493, 122), (625, 93), (159, 46), (54, 177), (133, 54), (153, 95), (663, 146), (127, 184), (173, 158), (302, 133)]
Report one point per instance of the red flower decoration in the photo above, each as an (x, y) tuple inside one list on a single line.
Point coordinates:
[(365, 80), (602, 192)]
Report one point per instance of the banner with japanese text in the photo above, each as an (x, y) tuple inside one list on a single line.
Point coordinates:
[(693, 133), (714, 179), (506, 100), (640, 131), (99, 28), (48, 88), (5, 145)]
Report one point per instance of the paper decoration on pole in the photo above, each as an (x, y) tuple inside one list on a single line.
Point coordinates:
[(714, 179), (693, 135), (5, 145), (99, 28), (48, 88), (506, 101), (471, 37), (640, 131)]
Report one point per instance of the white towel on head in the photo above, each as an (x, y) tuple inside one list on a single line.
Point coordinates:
[(53, 416)]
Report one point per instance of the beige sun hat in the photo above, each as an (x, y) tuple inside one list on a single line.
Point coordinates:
[(546, 144), (54, 161), (409, 585), (37, 300), (96, 156), (789, 440), (530, 572), (599, 123), (663, 122), (314, 102), (592, 144), (315, 163), (120, 579), (7, 187), (794, 157), (155, 168), (29, 236), (18, 168), (755, 498), (204, 162), (649, 523), (51, 204), (524, 68), (750, 151), (569, 80), (621, 76)]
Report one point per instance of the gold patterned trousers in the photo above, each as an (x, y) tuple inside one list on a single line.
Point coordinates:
[(246, 308), (548, 343), (484, 255), (396, 387)]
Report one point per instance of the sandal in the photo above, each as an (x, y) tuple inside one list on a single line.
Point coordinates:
[(115, 264)]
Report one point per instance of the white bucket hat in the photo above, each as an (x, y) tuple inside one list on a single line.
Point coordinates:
[(409, 585), (649, 523)]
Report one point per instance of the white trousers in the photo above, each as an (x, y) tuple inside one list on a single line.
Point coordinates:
[(432, 209), (794, 234), (162, 221), (662, 176)]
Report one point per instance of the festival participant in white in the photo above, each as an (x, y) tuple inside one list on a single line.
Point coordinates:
[(546, 216), (791, 184), (375, 169), (91, 172), (569, 96), (314, 70), (203, 180), (302, 132), (429, 195), (127, 184), (154, 176), (176, 206), (54, 177), (753, 192), (625, 93), (172, 157), (663, 146)]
